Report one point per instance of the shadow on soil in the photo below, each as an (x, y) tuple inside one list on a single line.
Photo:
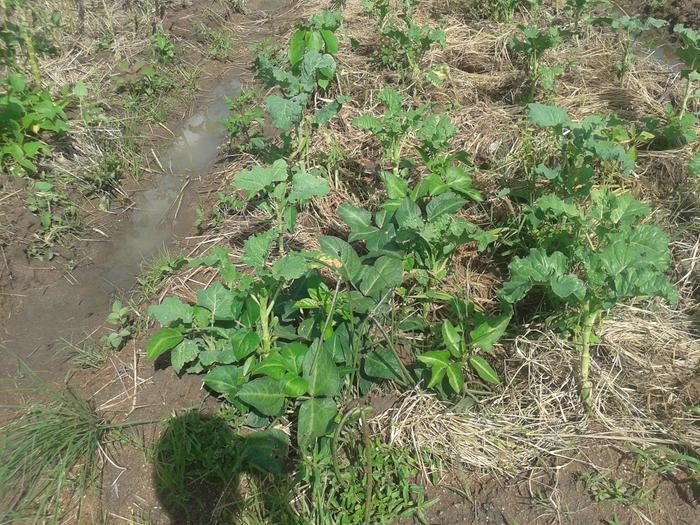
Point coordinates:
[(206, 474)]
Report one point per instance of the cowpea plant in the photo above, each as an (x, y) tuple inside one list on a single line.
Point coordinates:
[(592, 252)]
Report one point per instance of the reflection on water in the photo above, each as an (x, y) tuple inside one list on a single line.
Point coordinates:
[(152, 223)]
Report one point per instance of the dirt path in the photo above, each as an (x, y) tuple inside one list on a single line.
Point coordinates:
[(51, 307)]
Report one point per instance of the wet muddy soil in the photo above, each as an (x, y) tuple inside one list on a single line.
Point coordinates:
[(44, 304)]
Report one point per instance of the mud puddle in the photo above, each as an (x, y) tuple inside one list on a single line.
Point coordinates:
[(43, 318)]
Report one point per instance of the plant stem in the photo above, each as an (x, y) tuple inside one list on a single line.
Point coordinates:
[(29, 44), (589, 319), (368, 470), (686, 98), (264, 326)]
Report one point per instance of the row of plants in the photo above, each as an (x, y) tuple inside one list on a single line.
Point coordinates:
[(299, 333)]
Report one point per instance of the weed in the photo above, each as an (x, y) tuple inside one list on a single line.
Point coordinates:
[(56, 214), (402, 42), (50, 456), (163, 48), (86, 354), (531, 48), (119, 318), (244, 124), (219, 41), (629, 31), (602, 488), (156, 270)]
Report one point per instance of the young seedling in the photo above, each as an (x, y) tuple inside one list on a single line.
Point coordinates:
[(629, 31), (119, 318), (163, 48), (689, 53), (392, 129), (531, 49)]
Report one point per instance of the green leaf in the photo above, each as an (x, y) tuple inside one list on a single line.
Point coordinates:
[(357, 218), (489, 331), (297, 46), (264, 394), (172, 309), (289, 267), (256, 249), (341, 256), (285, 113), (387, 272), (455, 377), (183, 353), (295, 386), (163, 340), (218, 300), (447, 203), (243, 343), (547, 116), (484, 370), (382, 364), (565, 286), (306, 186), (408, 215), (320, 371), (331, 41), (451, 338), (694, 166), (225, 380), (367, 123), (315, 420), (259, 178), (434, 358)]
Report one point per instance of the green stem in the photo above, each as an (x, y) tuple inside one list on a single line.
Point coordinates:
[(686, 98), (589, 319), (31, 53), (264, 326), (368, 460)]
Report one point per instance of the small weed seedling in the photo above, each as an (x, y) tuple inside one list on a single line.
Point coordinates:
[(602, 488), (119, 318), (244, 124), (163, 48)]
